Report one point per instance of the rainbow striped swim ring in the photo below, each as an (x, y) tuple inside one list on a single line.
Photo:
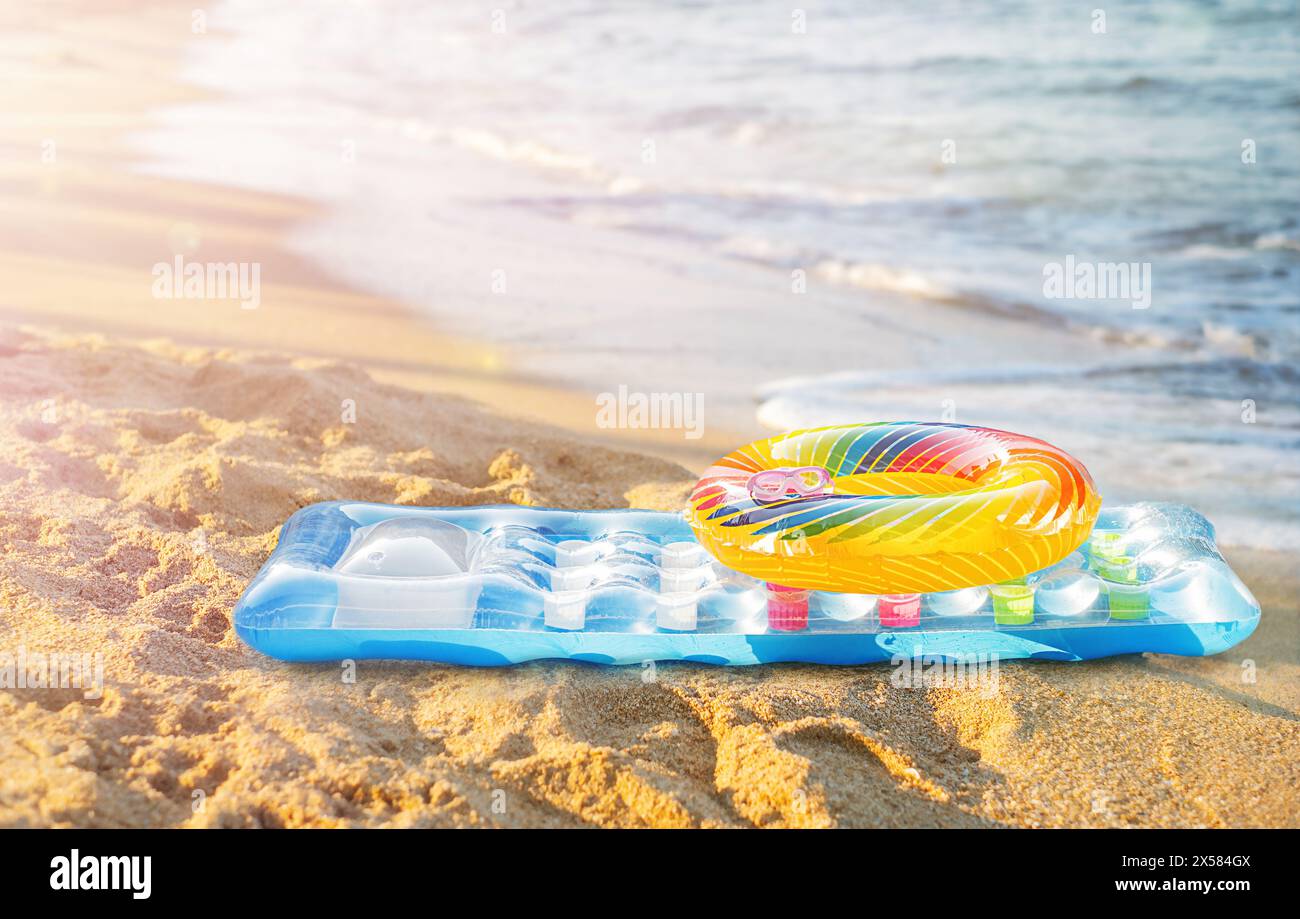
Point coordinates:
[(902, 507)]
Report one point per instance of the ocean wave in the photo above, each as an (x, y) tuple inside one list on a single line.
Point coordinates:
[(1277, 241), (1133, 84), (1203, 376), (885, 278), (588, 167), (531, 152)]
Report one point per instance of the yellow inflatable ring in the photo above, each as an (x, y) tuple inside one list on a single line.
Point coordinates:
[(893, 508)]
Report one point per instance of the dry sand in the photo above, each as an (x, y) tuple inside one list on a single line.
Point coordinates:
[(144, 473), (142, 486)]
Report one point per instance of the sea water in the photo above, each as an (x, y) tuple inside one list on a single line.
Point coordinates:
[(854, 211)]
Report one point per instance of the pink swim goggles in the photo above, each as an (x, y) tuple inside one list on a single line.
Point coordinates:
[(799, 482)]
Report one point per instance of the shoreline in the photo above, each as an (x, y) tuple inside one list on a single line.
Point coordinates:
[(607, 281), (83, 233)]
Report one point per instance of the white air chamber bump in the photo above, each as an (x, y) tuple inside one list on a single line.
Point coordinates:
[(677, 614), (680, 580), (844, 607), (566, 610), (1069, 593), (574, 553), (1188, 595), (682, 555), (579, 578), (961, 602)]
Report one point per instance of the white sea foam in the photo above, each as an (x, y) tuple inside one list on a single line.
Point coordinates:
[(884, 278), (1277, 241)]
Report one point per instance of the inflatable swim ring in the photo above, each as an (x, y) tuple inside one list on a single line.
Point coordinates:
[(893, 507)]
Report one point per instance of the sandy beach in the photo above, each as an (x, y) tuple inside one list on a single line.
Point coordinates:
[(150, 449)]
